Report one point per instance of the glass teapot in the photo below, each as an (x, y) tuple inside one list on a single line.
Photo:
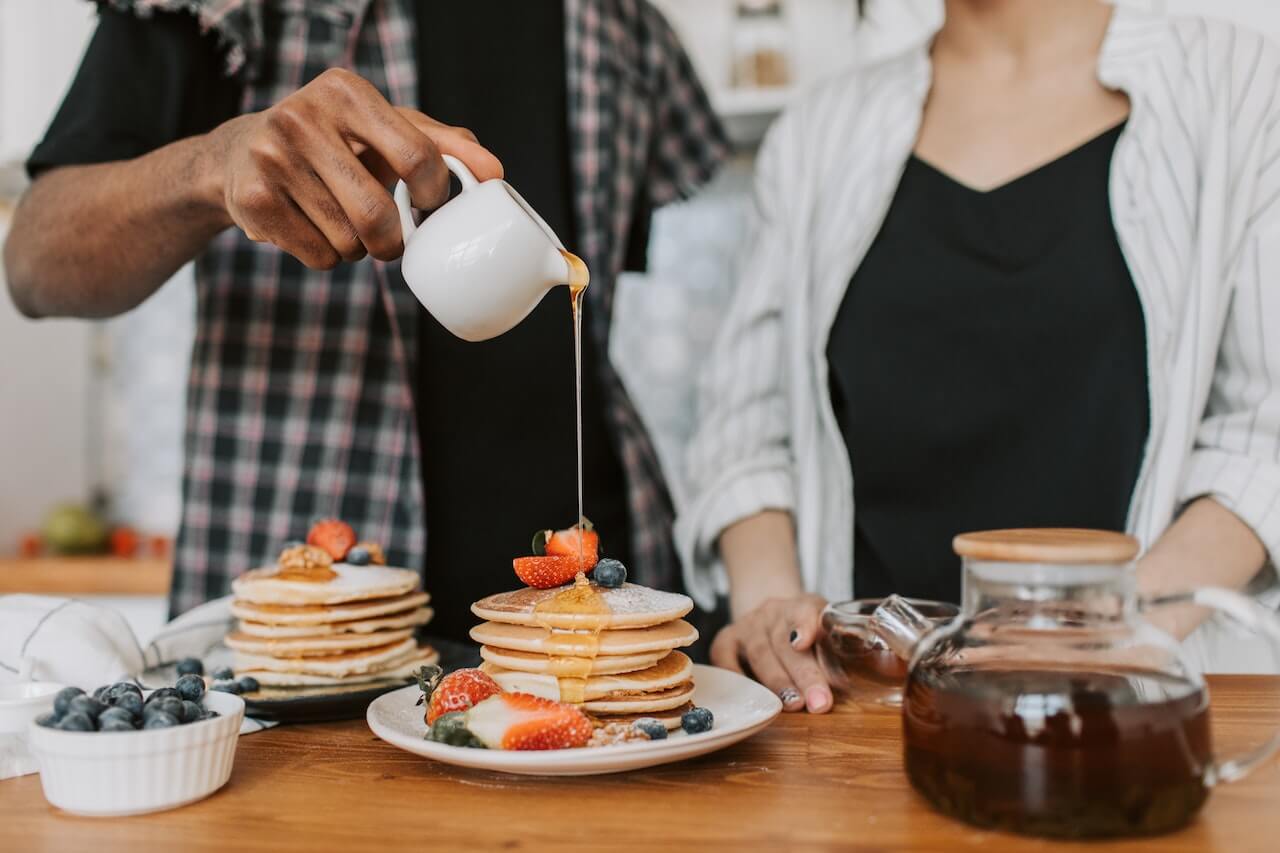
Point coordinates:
[(1051, 705)]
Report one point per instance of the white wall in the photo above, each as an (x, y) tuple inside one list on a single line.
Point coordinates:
[(44, 367)]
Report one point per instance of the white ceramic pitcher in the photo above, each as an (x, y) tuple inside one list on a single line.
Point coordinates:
[(483, 260)]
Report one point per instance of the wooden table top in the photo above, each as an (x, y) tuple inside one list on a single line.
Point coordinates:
[(139, 576), (806, 783)]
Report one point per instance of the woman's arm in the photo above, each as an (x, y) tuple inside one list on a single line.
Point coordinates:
[(775, 623), (1207, 546)]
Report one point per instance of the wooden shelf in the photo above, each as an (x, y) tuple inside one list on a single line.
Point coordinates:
[(85, 576)]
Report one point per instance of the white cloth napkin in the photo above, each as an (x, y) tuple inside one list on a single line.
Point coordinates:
[(73, 642)]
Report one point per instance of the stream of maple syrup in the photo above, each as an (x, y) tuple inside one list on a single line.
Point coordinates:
[(579, 278), (572, 652)]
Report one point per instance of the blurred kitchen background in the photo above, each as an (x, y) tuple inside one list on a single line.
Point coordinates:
[(92, 412)]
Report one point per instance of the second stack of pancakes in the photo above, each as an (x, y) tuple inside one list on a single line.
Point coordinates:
[(355, 627), (613, 652)]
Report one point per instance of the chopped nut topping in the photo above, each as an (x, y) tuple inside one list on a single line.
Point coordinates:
[(306, 562), (612, 734)]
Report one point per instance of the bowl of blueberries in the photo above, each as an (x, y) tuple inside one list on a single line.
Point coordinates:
[(122, 750)]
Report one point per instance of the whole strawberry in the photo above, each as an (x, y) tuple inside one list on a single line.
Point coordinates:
[(333, 536), (457, 691)]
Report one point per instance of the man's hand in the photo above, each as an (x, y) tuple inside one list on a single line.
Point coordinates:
[(311, 174)]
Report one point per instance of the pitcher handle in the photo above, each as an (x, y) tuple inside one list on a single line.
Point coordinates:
[(1248, 614), (405, 206)]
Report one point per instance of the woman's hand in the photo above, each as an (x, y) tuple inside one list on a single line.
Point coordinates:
[(775, 640)]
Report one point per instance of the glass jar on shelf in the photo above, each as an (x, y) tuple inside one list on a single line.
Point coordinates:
[(761, 45)]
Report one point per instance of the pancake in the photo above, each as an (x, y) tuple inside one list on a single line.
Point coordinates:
[(602, 665), (301, 647), (397, 671), (527, 638), (356, 662), (644, 705), (669, 718), (321, 614), (353, 583), (673, 672), (412, 619), (630, 606)]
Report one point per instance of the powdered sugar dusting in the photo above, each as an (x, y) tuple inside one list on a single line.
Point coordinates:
[(632, 598)]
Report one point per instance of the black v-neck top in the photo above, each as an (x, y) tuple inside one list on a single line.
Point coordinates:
[(988, 368)]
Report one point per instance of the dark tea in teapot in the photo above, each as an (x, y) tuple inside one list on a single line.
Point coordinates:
[(1058, 754)]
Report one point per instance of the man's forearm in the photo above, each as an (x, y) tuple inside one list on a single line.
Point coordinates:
[(1207, 546), (94, 241)]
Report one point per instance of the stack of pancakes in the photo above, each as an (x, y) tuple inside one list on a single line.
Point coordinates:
[(355, 627), (616, 658)]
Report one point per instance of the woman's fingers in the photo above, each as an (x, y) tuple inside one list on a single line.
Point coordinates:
[(769, 670), (724, 649), (806, 622), (803, 671)]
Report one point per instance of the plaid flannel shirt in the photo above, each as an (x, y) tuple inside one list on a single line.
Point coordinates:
[(300, 394)]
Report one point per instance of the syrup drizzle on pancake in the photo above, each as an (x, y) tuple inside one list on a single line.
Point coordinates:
[(572, 652)]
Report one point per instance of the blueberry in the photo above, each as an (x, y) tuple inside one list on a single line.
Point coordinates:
[(86, 705), (208, 714), (191, 711), (249, 684), (63, 699), (651, 727), (223, 673), (190, 666), (190, 687), (116, 692), (359, 556), (162, 693), (76, 721), (227, 687), (130, 702), (161, 720), (610, 573), (697, 720), (170, 705), (116, 725), (49, 720), (98, 693), (116, 715)]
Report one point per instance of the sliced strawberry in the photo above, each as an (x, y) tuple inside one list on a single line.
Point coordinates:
[(581, 539), (333, 536), (457, 691), (524, 721), (546, 572)]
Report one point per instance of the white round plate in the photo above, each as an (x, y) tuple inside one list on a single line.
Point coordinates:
[(741, 708)]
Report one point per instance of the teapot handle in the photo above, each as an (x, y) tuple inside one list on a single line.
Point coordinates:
[(405, 206), (1255, 618)]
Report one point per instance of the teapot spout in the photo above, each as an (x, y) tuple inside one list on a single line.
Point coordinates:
[(900, 625)]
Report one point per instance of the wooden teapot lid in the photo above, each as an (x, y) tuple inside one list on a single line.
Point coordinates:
[(1064, 545)]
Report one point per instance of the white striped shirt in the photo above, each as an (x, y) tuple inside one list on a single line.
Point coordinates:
[(1195, 196)]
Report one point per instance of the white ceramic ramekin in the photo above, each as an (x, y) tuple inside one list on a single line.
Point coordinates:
[(22, 702), (123, 773)]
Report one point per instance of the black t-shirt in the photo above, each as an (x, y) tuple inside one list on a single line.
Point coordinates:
[(988, 369), (496, 419)]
